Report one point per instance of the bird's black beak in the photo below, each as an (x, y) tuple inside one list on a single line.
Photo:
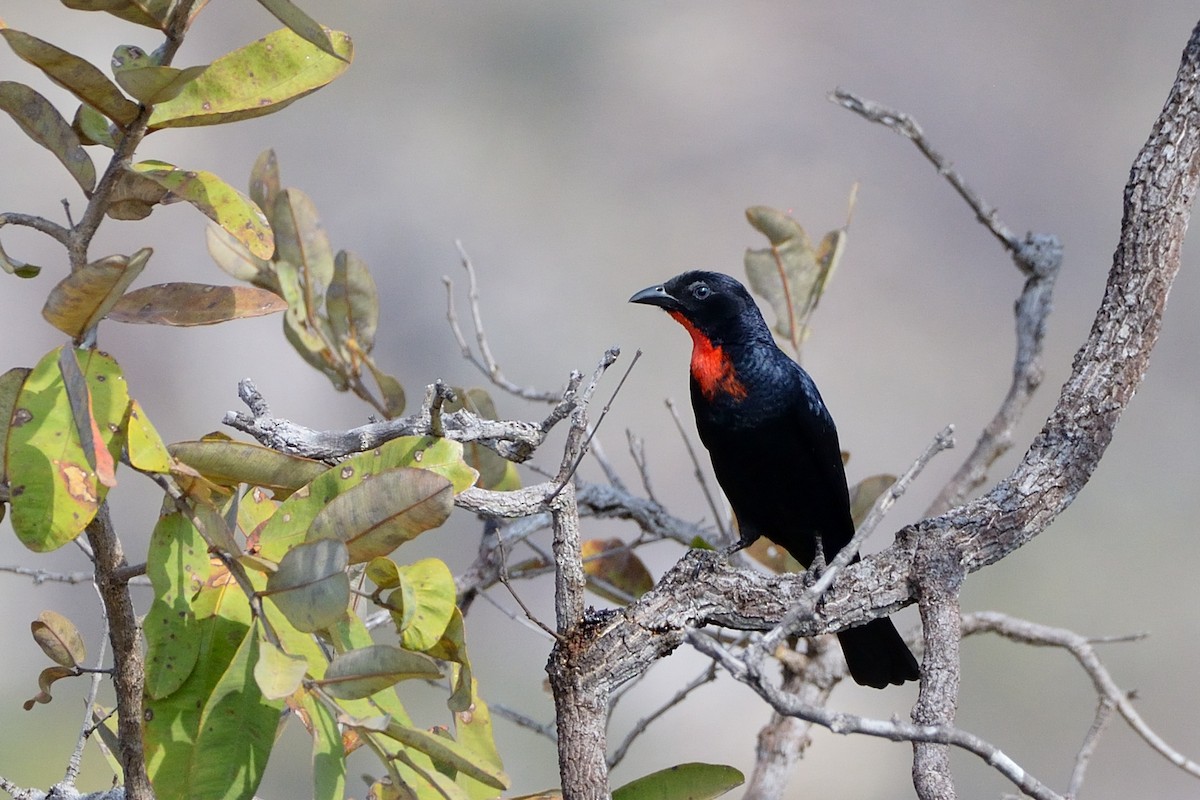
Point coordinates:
[(655, 296)]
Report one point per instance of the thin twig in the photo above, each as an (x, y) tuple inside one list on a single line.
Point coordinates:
[(1104, 712), (1080, 647), (748, 671), (709, 496), (486, 364), (545, 729), (707, 676)]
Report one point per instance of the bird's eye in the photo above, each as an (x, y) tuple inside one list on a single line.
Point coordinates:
[(701, 291)]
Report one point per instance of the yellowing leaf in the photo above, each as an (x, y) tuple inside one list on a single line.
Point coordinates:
[(229, 463), (145, 447), (59, 639), (790, 274), (217, 200), (276, 672), (188, 304), (43, 124), (428, 593), (82, 298), (619, 568), (261, 78)]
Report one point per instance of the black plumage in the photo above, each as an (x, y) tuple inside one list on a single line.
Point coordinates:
[(773, 444)]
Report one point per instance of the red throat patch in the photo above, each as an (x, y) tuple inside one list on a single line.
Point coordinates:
[(711, 368)]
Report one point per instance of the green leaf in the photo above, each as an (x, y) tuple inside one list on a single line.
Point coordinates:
[(82, 298), (42, 123), (449, 753), (277, 673), (229, 463), (172, 724), (59, 639), (377, 516), (363, 672), (311, 587), (352, 303), (329, 754), (383, 572), (147, 81), (302, 25), (188, 304), (10, 387), (92, 127), (692, 781), (427, 592), (236, 734), (261, 78), (75, 74), (54, 489), (217, 200), (393, 392), (453, 647), (177, 565)]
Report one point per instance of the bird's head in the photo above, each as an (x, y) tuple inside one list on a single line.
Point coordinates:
[(709, 303)]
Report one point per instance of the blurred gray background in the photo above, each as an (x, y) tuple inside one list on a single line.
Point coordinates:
[(583, 151)]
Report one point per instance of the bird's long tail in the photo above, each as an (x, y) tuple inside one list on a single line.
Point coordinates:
[(877, 655)]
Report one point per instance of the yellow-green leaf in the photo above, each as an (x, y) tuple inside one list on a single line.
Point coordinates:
[(177, 565), (302, 25), (329, 755), (449, 753), (217, 200), (92, 127), (352, 302), (187, 304), (261, 78), (428, 592), (75, 74), (10, 387), (42, 123), (146, 81), (145, 447), (54, 490), (290, 524), (82, 298), (277, 673)]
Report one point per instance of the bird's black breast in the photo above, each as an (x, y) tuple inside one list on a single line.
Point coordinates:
[(776, 455)]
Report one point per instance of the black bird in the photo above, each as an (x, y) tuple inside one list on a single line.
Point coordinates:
[(773, 445)]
